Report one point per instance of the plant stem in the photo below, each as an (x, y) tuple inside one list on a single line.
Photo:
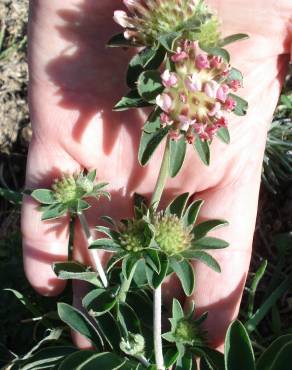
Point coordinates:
[(143, 360), (162, 177), (126, 285), (94, 253), (157, 329), (159, 187)]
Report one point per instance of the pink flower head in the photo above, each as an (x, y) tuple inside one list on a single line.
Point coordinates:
[(215, 61), (179, 55), (229, 104), (190, 137), (202, 61), (222, 92), (169, 79), (211, 88), (199, 128), (165, 119), (234, 85), (193, 83), (121, 18), (164, 101), (185, 122), (216, 108), (226, 70), (211, 131)]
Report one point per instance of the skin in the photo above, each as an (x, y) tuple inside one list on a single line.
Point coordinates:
[(75, 81)]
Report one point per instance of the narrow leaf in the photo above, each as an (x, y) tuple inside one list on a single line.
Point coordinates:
[(149, 143), (75, 359), (265, 362), (177, 155), (44, 196), (203, 257), (209, 243), (224, 135), (203, 149), (149, 85), (185, 273), (191, 214), (205, 227), (177, 206), (233, 38), (241, 105), (131, 100), (177, 311)]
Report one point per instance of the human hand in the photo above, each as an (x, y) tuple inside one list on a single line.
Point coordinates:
[(74, 83)]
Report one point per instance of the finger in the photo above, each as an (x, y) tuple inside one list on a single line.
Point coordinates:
[(44, 242), (220, 293)]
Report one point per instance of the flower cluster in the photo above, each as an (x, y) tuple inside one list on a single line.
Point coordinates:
[(196, 97), (149, 19)]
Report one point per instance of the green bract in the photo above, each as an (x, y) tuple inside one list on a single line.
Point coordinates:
[(67, 194)]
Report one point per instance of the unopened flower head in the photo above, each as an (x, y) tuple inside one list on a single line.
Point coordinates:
[(196, 98), (132, 236), (170, 234), (147, 20), (187, 331)]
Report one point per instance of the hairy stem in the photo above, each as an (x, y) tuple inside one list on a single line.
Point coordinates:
[(143, 360), (157, 329), (159, 187), (126, 285), (94, 253)]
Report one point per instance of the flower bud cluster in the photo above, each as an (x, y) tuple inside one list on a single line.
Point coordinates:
[(132, 237), (196, 95), (148, 19)]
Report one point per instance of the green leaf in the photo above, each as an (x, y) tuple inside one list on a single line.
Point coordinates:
[(170, 357), (233, 38), (191, 214), (209, 243), (203, 149), (177, 155), (128, 265), (46, 358), (223, 53), (44, 196), (106, 244), (53, 211), (109, 328), (75, 271), (153, 260), (153, 123), (118, 41), (105, 360), (25, 301), (252, 290), (99, 301), (149, 85), (235, 74), (185, 273), (154, 279), (212, 360), (241, 105), (203, 257), (269, 357), (128, 318), (177, 311), (205, 227), (78, 322), (261, 312), (283, 358), (131, 100), (169, 337), (167, 40), (12, 196), (147, 58), (238, 350), (186, 362), (109, 232), (76, 359), (91, 175), (177, 206), (82, 205), (149, 143), (224, 135)]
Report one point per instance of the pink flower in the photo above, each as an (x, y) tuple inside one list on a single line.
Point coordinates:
[(211, 88), (199, 128), (222, 92), (215, 61), (182, 97), (164, 101), (169, 79), (165, 119), (202, 61), (211, 131), (221, 122), (235, 84), (185, 122), (122, 18), (229, 104), (193, 83), (216, 108), (174, 135), (179, 55)]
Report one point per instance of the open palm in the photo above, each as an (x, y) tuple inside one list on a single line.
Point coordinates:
[(74, 83)]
